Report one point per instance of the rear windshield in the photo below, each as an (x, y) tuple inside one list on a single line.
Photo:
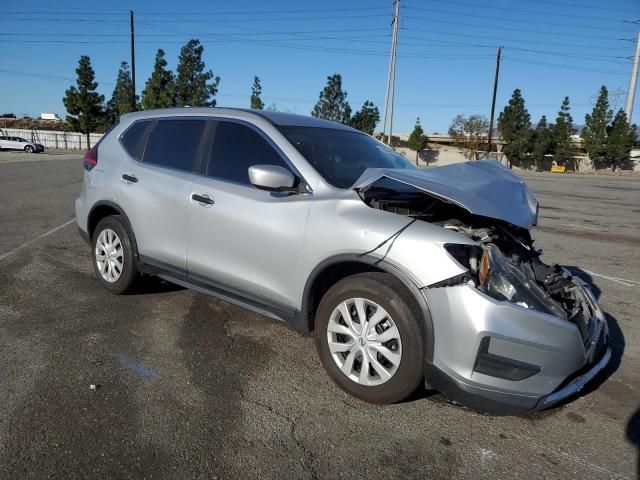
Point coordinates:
[(341, 156)]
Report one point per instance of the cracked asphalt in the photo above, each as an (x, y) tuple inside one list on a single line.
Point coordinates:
[(185, 386)]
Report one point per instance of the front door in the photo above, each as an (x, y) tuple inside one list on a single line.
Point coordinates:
[(246, 240)]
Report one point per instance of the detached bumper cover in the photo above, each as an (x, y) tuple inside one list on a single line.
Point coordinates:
[(576, 384)]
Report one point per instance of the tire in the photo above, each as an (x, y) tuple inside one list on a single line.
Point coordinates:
[(119, 274), (386, 381), (29, 149)]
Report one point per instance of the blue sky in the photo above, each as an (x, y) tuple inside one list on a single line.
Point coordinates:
[(446, 53)]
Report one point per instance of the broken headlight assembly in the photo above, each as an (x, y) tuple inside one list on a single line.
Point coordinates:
[(504, 281)]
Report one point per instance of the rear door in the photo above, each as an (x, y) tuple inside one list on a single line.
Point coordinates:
[(154, 183), (247, 241)]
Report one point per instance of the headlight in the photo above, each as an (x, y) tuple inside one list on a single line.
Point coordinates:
[(503, 281)]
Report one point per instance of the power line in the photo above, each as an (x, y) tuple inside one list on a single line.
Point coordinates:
[(192, 34), (511, 40), (188, 20), (582, 6), (601, 58), (516, 20), (511, 8), (183, 13), (44, 76), (302, 36), (567, 67), (513, 29), (295, 99)]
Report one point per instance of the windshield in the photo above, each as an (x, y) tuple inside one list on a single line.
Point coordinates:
[(341, 156)]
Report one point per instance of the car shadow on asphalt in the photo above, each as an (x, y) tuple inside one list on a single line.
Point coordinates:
[(633, 434)]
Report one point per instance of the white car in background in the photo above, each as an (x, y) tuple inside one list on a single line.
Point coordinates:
[(19, 143)]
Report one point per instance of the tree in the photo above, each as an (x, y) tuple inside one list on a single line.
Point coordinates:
[(469, 134), (366, 118), (83, 103), (417, 140), (8, 115), (256, 90), (620, 140), (541, 142), (562, 131), (160, 89), (192, 88), (594, 133), (120, 102), (515, 127), (333, 104)]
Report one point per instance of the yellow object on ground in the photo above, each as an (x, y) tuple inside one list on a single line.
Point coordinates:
[(558, 168)]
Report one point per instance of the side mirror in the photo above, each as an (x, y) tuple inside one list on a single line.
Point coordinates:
[(272, 178)]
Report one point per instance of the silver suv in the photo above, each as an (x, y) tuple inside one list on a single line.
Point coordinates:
[(405, 275)]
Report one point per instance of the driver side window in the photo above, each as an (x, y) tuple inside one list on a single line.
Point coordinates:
[(237, 147)]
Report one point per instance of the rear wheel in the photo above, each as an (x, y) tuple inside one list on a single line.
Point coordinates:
[(29, 149), (112, 253), (369, 338)]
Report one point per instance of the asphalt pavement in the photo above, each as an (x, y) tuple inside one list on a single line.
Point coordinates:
[(168, 383)]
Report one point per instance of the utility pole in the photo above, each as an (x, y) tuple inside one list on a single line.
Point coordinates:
[(493, 101), (133, 64), (631, 94), (391, 76)]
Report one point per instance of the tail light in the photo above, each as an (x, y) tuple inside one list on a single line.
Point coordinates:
[(90, 158)]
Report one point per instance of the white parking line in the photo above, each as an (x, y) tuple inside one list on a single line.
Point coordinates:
[(624, 281), (585, 227), (46, 234)]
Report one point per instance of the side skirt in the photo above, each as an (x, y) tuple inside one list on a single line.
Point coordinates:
[(223, 292)]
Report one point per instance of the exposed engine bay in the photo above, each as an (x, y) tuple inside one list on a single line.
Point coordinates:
[(504, 263)]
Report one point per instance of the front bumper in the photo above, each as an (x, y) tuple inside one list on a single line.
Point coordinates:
[(467, 324), (576, 385)]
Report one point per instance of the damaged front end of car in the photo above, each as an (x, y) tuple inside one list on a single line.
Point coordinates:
[(512, 333)]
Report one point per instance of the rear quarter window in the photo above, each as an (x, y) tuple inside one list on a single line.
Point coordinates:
[(134, 139)]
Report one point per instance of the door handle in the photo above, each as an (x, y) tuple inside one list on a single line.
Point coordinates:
[(127, 178), (204, 199)]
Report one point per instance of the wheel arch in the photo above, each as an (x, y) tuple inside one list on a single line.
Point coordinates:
[(338, 267), (106, 208)]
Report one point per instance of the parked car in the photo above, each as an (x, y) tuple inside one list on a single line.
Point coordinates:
[(405, 275), (19, 143)]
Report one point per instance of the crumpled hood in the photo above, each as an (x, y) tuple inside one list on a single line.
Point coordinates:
[(483, 187)]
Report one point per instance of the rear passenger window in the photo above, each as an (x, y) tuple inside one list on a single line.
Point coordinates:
[(175, 144), (237, 147), (134, 139)]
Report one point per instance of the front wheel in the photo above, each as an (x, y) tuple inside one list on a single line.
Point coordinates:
[(369, 338), (29, 149)]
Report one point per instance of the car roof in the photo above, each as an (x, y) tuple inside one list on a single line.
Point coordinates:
[(276, 118)]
